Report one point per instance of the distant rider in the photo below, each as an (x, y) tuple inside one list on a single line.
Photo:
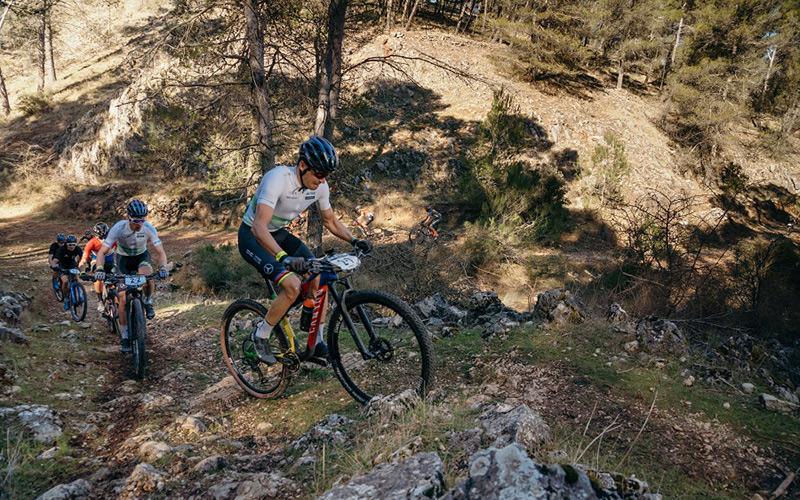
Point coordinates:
[(67, 258), (282, 195), (100, 230), (61, 240), (131, 236)]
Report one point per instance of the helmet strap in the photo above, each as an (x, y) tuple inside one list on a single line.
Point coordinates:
[(303, 186)]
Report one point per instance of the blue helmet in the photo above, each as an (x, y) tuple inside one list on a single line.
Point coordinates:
[(319, 154), (137, 209), (71, 239), (60, 238)]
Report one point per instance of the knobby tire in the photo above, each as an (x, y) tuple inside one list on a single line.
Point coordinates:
[(137, 332)]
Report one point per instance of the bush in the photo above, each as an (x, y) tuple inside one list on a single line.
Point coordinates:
[(35, 104), (222, 270), (608, 169)]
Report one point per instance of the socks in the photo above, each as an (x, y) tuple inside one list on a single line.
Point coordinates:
[(124, 331), (264, 330)]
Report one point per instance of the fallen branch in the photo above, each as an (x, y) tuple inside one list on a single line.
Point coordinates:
[(784, 486)]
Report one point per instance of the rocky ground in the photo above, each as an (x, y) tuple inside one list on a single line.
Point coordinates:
[(558, 401)]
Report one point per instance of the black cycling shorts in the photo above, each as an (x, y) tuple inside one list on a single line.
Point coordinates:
[(129, 264), (258, 257)]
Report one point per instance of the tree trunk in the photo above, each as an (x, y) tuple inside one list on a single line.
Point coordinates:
[(677, 42), (620, 74), (771, 55), (50, 63), (263, 119), (405, 10), (413, 13), (389, 11), (4, 95), (461, 16), (328, 102), (42, 33)]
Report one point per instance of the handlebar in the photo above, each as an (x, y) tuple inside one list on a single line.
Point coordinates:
[(115, 277)]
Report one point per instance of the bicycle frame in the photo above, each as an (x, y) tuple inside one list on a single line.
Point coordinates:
[(326, 287)]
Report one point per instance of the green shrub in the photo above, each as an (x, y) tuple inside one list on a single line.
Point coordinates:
[(222, 270), (504, 127), (609, 168), (35, 104)]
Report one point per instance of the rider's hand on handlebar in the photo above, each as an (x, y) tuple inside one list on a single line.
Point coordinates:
[(99, 276), (362, 246), (295, 264), (163, 273)]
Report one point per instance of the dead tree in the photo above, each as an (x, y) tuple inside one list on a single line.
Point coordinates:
[(3, 92)]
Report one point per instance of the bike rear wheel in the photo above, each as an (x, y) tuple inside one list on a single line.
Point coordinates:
[(77, 306), (137, 331), (402, 347), (256, 378)]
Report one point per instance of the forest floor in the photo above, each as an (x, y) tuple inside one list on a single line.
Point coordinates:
[(701, 441)]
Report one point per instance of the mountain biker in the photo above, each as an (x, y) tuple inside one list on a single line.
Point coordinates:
[(61, 239), (67, 257), (87, 235), (282, 195), (99, 230), (131, 236)]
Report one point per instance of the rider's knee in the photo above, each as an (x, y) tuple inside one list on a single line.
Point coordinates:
[(291, 286)]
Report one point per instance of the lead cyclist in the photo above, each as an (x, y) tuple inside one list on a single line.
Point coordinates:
[(282, 195)]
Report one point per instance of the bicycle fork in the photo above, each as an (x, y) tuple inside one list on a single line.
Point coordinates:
[(374, 340)]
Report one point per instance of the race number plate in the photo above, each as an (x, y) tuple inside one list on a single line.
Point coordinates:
[(344, 261), (135, 281)]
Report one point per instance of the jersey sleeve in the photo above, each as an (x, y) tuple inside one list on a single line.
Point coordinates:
[(113, 235), (274, 183), (324, 200), (88, 249), (152, 234)]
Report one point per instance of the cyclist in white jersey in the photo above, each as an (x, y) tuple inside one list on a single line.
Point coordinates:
[(131, 236), (282, 195)]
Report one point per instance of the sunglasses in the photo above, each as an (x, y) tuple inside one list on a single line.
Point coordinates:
[(138, 221), (318, 175)]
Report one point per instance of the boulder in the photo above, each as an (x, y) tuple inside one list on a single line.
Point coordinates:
[(74, 490), (224, 391), (11, 306), (509, 473), (421, 476), (254, 486), (559, 306), (153, 450), (332, 429), (210, 464), (143, 480), (12, 334), (655, 334), (191, 425), (504, 425), (39, 420), (392, 406), (772, 403), (436, 307)]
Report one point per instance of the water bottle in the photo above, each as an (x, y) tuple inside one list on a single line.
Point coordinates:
[(305, 315)]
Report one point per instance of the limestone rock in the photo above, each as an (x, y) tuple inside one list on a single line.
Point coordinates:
[(210, 464), (616, 314), (332, 430), (224, 391), (14, 335), (191, 425), (748, 388), (255, 486), (421, 476), (39, 420), (143, 480), (772, 403), (559, 306), (393, 405), (74, 490), (656, 334), (503, 426), (153, 450)]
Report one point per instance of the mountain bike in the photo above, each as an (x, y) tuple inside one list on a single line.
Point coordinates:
[(425, 230), (109, 298), (75, 298), (132, 285), (377, 343)]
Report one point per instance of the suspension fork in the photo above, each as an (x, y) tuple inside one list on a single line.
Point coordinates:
[(340, 303)]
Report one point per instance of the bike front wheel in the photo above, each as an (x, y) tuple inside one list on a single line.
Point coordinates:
[(137, 331), (399, 352), (258, 379), (77, 306)]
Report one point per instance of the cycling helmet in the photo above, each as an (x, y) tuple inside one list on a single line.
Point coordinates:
[(100, 229), (137, 209), (320, 154), (72, 239), (61, 238)]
